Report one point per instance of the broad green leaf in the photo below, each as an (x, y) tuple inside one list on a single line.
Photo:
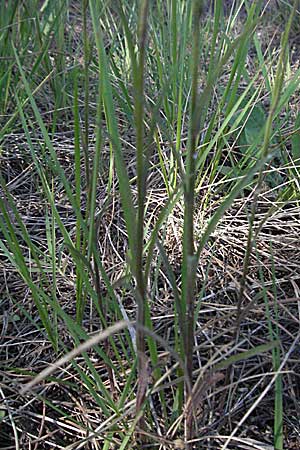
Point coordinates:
[(296, 140), (254, 125)]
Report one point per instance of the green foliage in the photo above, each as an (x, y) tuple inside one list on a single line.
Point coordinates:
[(296, 140), (253, 127), (195, 121)]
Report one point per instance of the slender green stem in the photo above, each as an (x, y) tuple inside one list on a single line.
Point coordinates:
[(86, 92), (141, 186), (189, 267)]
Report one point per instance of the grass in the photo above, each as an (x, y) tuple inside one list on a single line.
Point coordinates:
[(149, 224)]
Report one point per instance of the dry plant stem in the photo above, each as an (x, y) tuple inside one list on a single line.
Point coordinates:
[(103, 308), (262, 395), (142, 187), (248, 253), (94, 340), (239, 311), (189, 266)]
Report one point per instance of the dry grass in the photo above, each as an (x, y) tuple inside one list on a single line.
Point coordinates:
[(59, 413), (25, 349)]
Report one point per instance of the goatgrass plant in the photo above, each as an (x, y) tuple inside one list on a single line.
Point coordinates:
[(177, 79)]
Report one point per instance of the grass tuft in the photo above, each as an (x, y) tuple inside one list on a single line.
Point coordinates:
[(149, 224)]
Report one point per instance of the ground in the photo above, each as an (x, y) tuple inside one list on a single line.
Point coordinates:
[(66, 410)]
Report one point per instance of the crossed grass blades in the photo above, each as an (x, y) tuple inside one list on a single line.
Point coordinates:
[(149, 224)]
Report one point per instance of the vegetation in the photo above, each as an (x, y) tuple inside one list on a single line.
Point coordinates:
[(149, 224)]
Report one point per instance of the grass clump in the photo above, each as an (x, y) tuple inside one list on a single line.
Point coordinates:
[(149, 225)]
